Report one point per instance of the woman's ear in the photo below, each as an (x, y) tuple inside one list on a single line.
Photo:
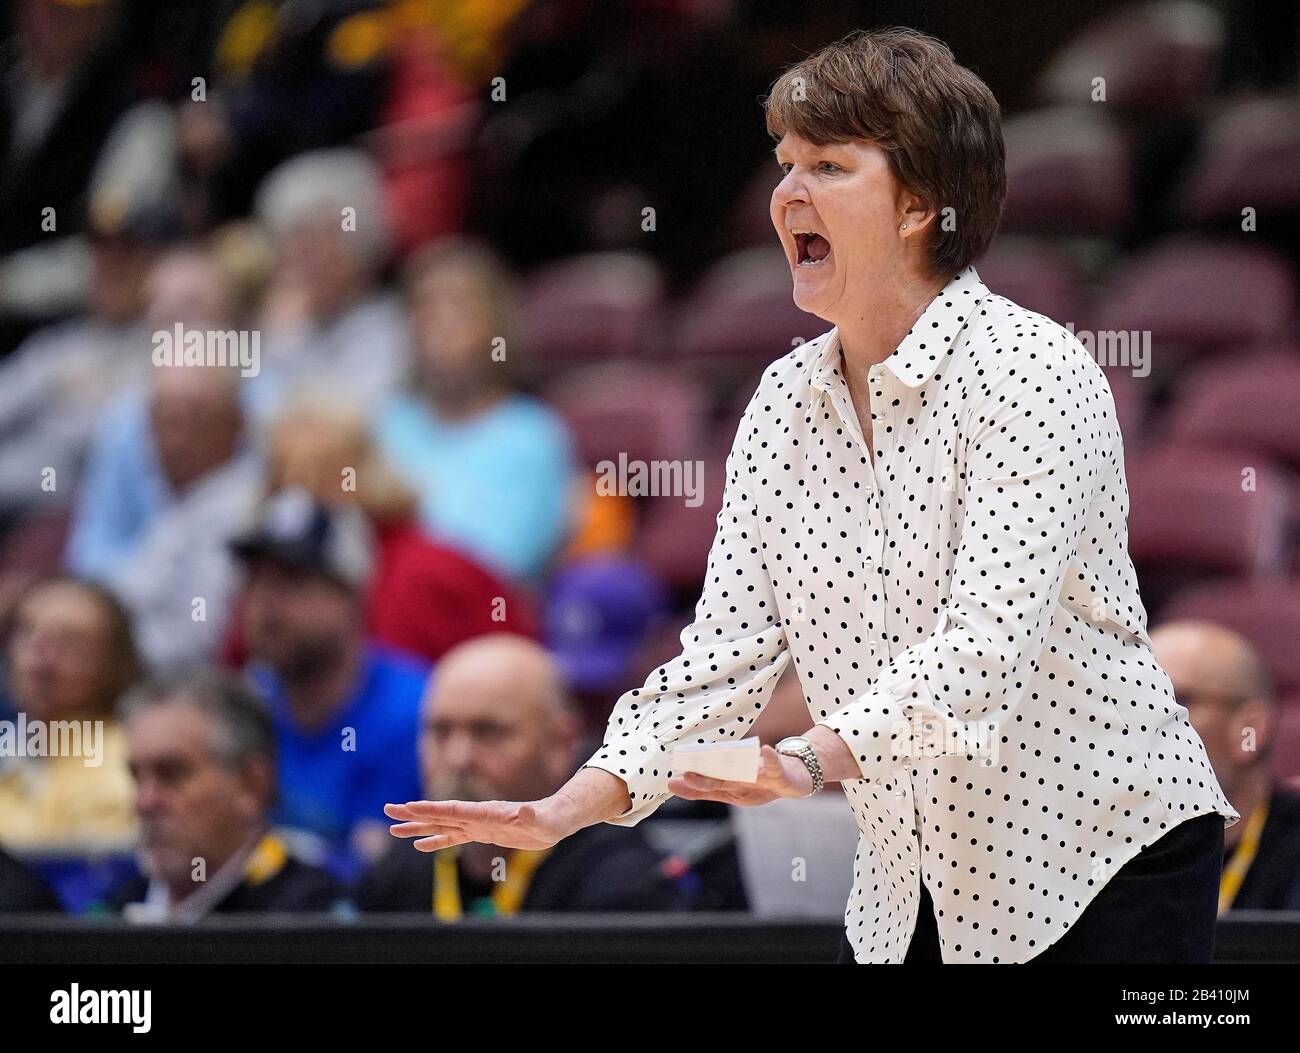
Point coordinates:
[(915, 215)]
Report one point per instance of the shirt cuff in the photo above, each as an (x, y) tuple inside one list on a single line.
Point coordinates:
[(642, 763), (886, 728)]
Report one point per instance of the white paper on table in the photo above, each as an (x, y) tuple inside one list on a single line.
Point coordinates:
[(733, 759)]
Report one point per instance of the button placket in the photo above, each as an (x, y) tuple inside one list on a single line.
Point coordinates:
[(877, 394), (882, 415), (872, 580), (873, 532)]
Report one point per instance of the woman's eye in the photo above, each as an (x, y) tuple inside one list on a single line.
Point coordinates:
[(823, 166)]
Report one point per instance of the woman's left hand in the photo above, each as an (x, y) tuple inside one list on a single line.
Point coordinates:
[(778, 776)]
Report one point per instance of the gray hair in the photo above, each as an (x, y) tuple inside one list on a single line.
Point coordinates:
[(316, 186), (244, 730)]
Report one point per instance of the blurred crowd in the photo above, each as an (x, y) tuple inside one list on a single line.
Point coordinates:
[(322, 322)]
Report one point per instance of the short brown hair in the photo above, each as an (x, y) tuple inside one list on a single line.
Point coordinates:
[(938, 122)]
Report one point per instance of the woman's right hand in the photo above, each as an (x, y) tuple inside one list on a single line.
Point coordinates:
[(590, 796), (506, 824)]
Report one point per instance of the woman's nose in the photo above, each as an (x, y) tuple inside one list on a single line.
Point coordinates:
[(791, 189)]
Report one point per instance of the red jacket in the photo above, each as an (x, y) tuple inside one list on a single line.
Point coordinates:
[(425, 599)]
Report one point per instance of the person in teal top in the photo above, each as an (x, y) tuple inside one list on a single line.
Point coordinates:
[(493, 468)]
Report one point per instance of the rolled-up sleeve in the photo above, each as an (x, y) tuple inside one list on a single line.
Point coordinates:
[(1036, 444), (732, 653)]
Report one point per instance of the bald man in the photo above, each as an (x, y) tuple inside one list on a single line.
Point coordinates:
[(497, 725), (1226, 687)]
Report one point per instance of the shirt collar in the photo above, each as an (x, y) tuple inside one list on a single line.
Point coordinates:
[(927, 342)]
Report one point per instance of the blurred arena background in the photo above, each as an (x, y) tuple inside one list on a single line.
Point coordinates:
[(479, 257)]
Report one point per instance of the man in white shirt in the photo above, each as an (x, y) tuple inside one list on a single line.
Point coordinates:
[(926, 512)]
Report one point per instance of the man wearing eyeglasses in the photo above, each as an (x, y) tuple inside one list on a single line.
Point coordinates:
[(1230, 700)]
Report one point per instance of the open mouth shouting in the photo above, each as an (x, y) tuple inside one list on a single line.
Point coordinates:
[(811, 248)]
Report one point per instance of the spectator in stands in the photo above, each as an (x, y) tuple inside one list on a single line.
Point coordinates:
[(193, 437), (492, 467), (61, 92), (1229, 695), (202, 750), (425, 597), (179, 580), (173, 427), (287, 77), (346, 711), (497, 724), (60, 378), (70, 658), (329, 328)]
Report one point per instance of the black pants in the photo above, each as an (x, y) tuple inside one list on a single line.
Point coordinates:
[(1160, 908)]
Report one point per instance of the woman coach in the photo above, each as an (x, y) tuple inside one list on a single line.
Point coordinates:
[(925, 511)]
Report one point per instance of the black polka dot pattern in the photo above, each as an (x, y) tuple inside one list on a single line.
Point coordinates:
[(963, 613)]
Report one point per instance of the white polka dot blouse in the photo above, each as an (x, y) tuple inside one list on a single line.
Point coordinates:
[(962, 612)]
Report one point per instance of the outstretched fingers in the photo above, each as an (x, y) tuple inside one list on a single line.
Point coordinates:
[(452, 813), (419, 829), (439, 841)]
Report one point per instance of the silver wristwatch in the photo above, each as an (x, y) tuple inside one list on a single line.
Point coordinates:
[(798, 746)]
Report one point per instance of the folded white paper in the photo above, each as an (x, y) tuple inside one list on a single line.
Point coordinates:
[(734, 759)]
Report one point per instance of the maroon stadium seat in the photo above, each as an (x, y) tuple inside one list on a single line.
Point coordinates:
[(1251, 155), (1267, 613), (1189, 512), (675, 539), (742, 315), (593, 307), (1250, 404), (1068, 170), (34, 546), (1152, 56), (1196, 294), (644, 411), (1035, 273)]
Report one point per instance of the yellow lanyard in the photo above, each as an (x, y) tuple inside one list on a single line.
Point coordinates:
[(267, 859), (1242, 857), (507, 897)]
